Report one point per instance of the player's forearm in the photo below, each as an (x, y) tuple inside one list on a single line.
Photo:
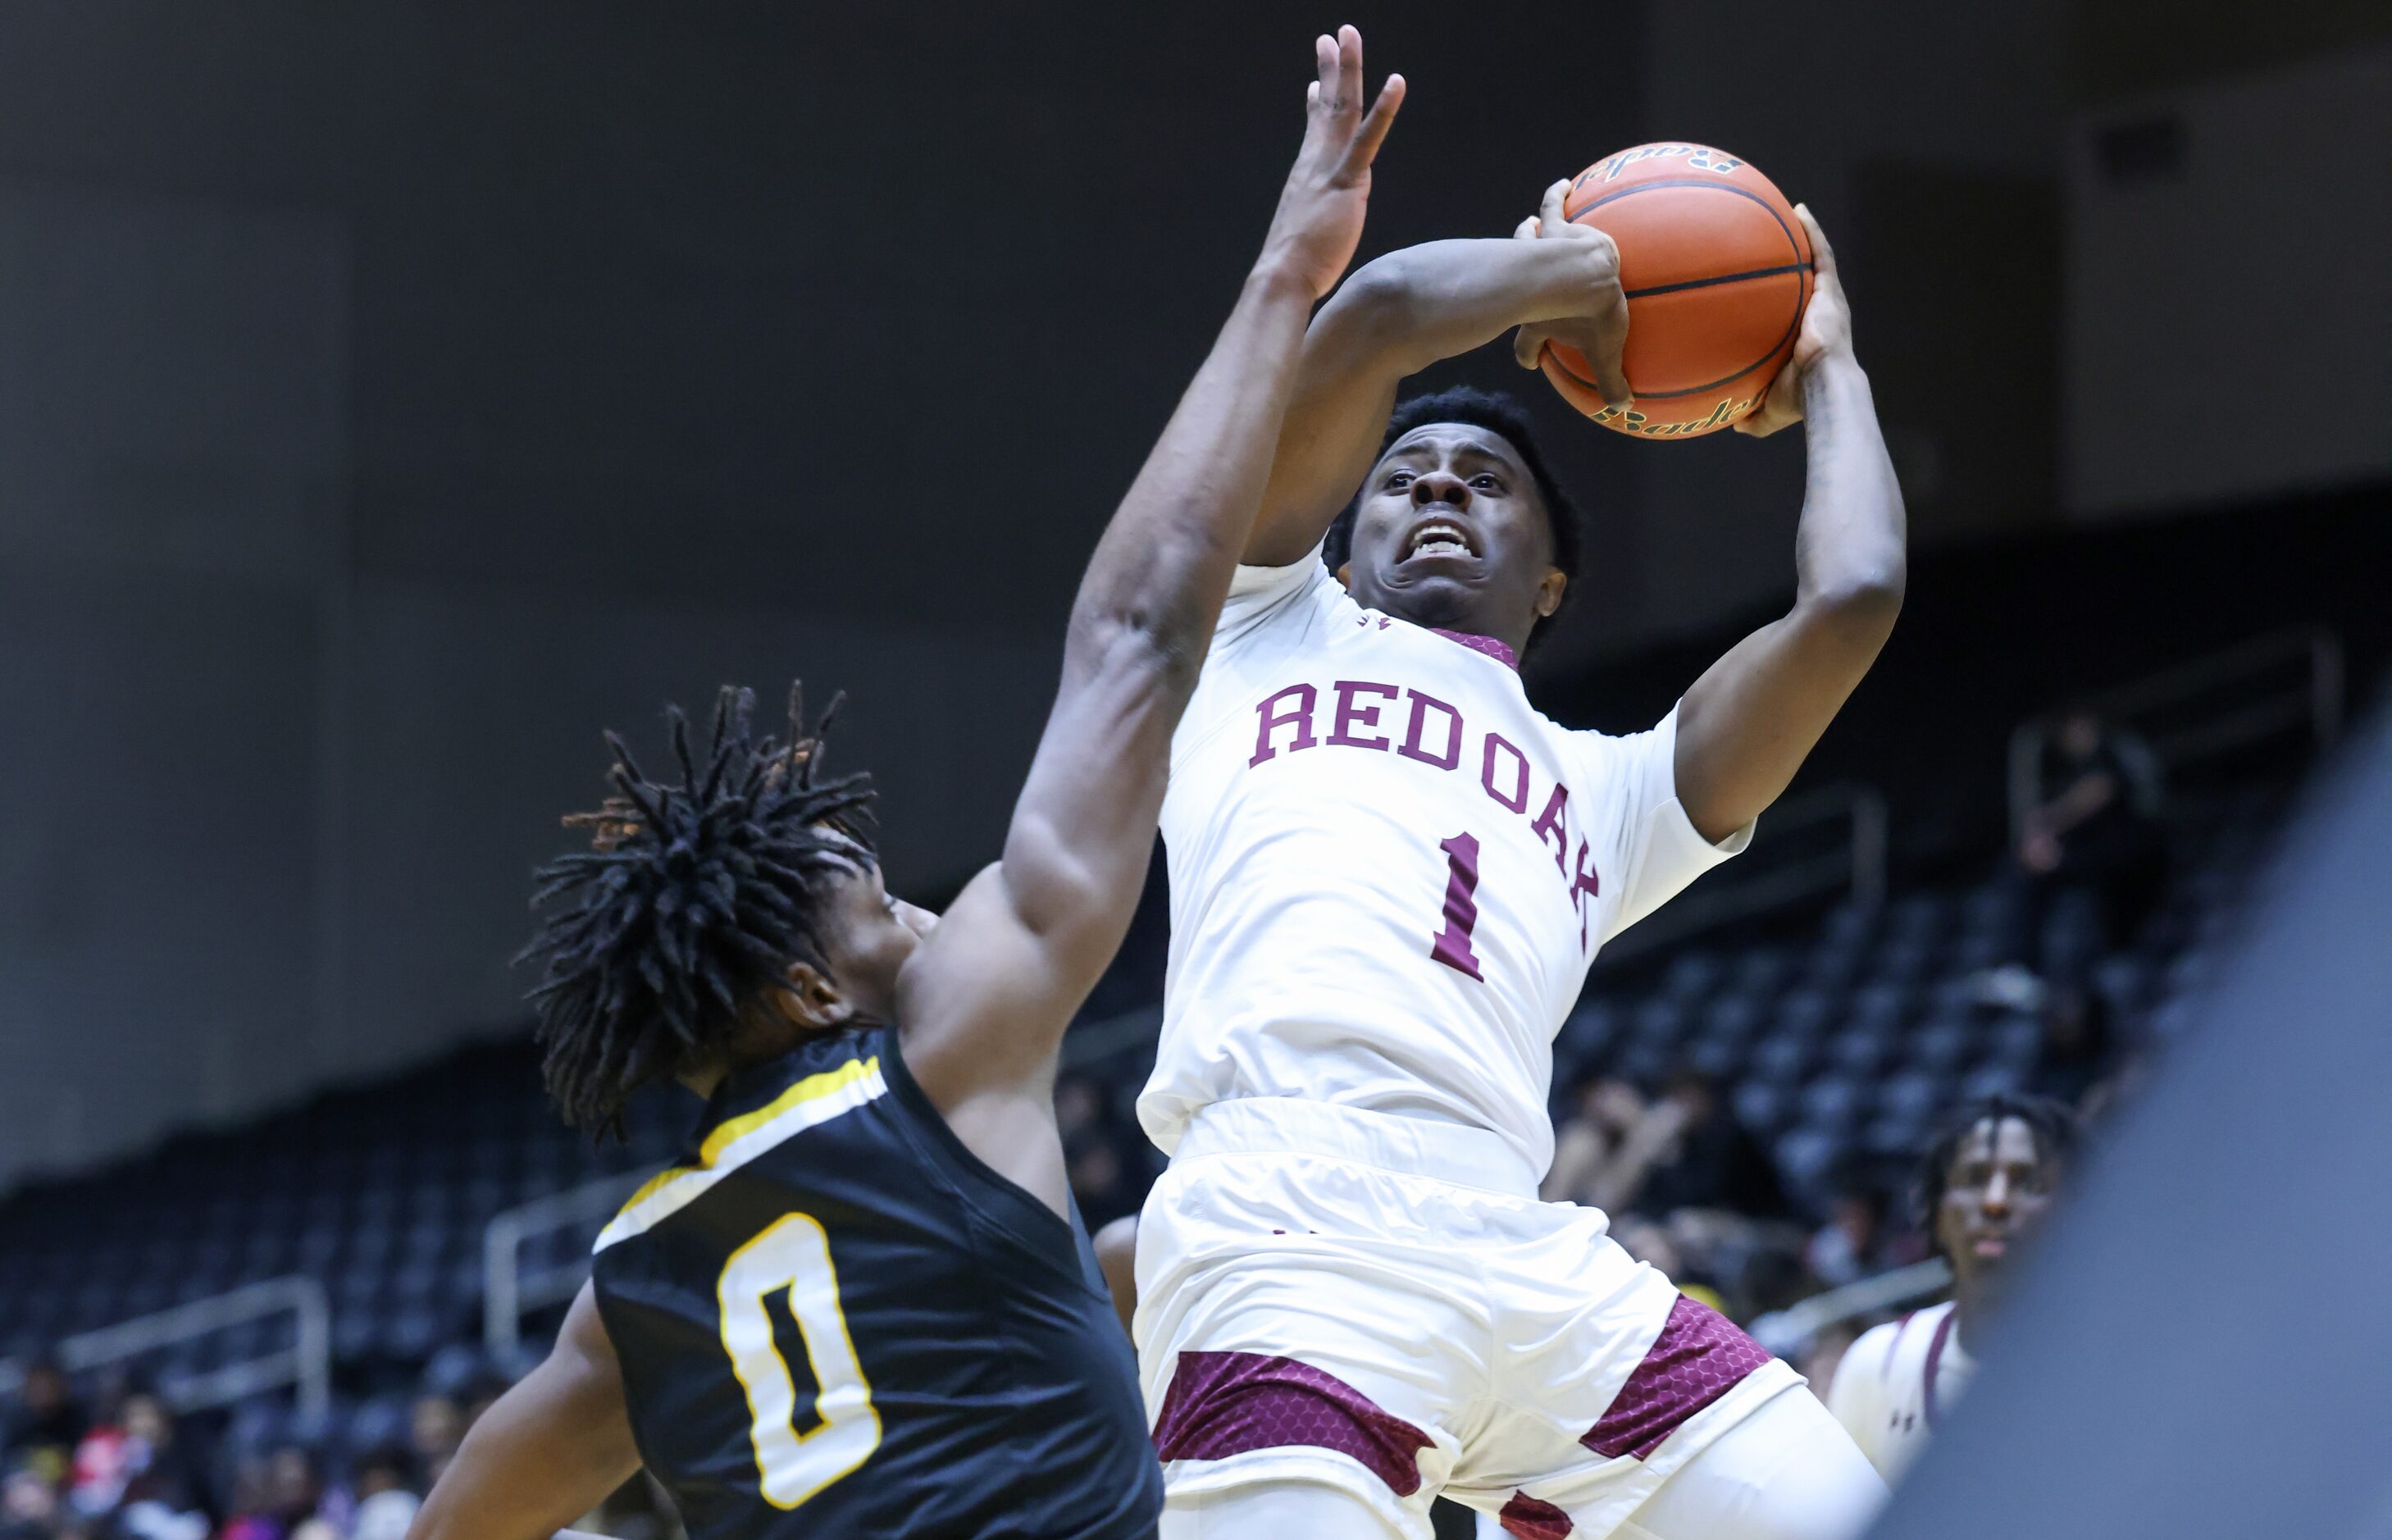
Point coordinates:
[(1850, 559), (1412, 307), (1392, 319), (1163, 567)]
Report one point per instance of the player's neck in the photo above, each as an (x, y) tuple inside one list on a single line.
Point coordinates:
[(1973, 1303), (1478, 634)]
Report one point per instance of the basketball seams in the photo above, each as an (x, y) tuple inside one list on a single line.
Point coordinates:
[(1714, 282), (1792, 245), (1797, 266)]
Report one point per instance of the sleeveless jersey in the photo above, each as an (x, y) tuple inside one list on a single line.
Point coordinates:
[(835, 1320), (1390, 871)]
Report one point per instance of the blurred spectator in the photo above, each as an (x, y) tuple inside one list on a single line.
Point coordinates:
[(1823, 1354), (2097, 833), (1590, 1147), (275, 1498), (2078, 1048), (1847, 1248), (385, 1494), (1651, 1243), (251, 1516), (166, 1488), (47, 1426), (1103, 1155), (1691, 1153), (433, 1431), (137, 1460), (29, 1504)]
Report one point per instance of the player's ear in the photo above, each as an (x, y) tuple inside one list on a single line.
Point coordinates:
[(1549, 593), (810, 999)]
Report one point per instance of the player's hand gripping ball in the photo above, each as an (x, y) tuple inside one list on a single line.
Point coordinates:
[(1716, 269)]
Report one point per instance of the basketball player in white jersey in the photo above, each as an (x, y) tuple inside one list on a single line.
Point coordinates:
[(1389, 872), (1983, 1187)]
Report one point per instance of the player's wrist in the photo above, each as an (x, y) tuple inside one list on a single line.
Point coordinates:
[(1280, 277), (1833, 369)]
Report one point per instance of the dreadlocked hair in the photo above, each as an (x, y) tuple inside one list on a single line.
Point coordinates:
[(2051, 1124), (693, 900)]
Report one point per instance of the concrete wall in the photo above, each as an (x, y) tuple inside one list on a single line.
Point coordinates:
[(2230, 297)]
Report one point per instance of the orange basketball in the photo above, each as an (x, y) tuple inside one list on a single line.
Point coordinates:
[(1717, 271)]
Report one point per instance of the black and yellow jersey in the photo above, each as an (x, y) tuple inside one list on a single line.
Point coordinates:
[(835, 1320)]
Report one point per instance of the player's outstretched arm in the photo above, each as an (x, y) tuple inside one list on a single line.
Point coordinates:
[(985, 999), (1751, 719), (547, 1451), (1409, 310)]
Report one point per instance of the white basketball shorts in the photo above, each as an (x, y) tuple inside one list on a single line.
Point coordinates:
[(1383, 1303)]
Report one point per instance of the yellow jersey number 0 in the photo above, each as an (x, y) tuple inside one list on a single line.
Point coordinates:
[(794, 1255)]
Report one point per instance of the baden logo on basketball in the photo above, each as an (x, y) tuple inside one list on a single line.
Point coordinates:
[(1725, 410), (1698, 157)]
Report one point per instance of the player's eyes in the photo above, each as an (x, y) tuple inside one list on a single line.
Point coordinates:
[(1400, 478), (1486, 483)]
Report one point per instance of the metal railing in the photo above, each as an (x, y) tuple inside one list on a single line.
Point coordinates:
[(306, 1363), (507, 1290), (1785, 1331), (2203, 707), (1763, 880)]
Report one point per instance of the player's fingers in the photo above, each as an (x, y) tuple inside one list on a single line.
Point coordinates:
[(1551, 211), (1374, 132), (1325, 66), (1610, 372), (1349, 70), (1526, 230), (1823, 256), (1528, 347), (1770, 413)]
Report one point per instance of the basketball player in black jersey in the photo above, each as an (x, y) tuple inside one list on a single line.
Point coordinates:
[(861, 1304)]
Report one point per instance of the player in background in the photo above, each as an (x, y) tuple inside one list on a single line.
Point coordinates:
[(863, 1304), (1389, 874), (1983, 1187)]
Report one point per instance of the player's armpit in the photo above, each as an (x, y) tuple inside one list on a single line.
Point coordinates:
[(547, 1451)]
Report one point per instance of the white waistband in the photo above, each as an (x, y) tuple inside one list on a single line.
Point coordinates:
[(1444, 1152)]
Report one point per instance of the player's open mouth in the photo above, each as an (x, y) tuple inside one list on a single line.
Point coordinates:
[(1439, 537)]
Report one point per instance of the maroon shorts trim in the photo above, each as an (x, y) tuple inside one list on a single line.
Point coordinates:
[(1533, 1519), (1699, 1356), (1225, 1404)]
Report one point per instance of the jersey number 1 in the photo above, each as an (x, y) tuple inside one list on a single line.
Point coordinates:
[(793, 1256), (1451, 946)]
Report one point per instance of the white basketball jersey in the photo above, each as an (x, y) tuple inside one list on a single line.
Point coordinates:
[(1390, 871), (1897, 1383)]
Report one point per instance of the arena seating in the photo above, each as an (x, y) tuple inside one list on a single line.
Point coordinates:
[(1846, 1045)]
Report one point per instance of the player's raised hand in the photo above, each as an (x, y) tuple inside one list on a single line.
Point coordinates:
[(1320, 218), (1826, 331), (1601, 333)]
